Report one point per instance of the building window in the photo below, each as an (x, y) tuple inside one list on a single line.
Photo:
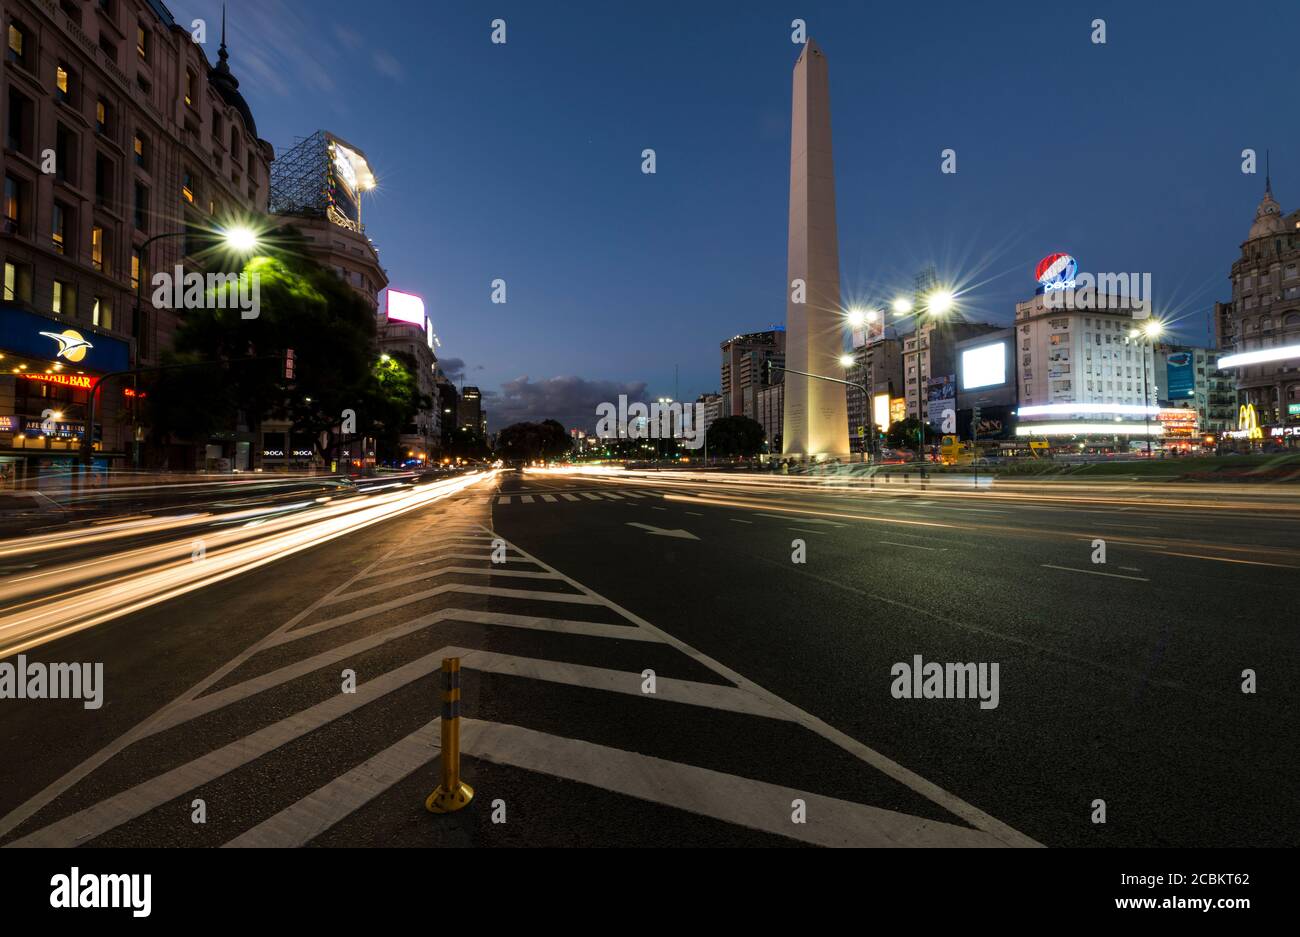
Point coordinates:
[(58, 227), (101, 116), (137, 145), (17, 52), (136, 266), (97, 247), (103, 179), (64, 301), (20, 126), (65, 149), (141, 207), (16, 209), (18, 283), (101, 313), (62, 83), (190, 93), (141, 42), (108, 46), (187, 186)]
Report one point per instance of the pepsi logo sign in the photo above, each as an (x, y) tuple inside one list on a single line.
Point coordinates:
[(1056, 272)]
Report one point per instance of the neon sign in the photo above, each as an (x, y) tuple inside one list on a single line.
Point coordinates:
[(1056, 272), (81, 381)]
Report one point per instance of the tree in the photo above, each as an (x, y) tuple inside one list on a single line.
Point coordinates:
[(301, 306), (902, 435), (735, 435), (526, 442)]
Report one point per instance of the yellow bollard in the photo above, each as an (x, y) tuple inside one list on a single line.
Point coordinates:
[(452, 793)]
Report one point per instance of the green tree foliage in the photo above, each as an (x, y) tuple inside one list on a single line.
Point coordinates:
[(526, 442), (902, 435), (735, 436), (302, 306)]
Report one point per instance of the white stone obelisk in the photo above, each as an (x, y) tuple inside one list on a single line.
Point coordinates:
[(816, 415)]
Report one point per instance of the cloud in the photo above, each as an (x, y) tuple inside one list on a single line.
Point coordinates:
[(385, 64), (454, 368), (570, 400)]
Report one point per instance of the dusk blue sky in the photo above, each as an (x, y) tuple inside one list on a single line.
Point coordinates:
[(522, 161)]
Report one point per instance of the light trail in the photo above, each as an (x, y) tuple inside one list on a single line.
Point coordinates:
[(1266, 499), (61, 600)]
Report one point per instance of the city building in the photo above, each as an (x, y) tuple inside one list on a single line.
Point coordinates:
[(317, 188), (470, 411), (125, 149), (769, 407), (742, 369), (1191, 379), (405, 329), (710, 408), (1082, 373), (929, 352), (986, 382), (878, 365), (1259, 330)]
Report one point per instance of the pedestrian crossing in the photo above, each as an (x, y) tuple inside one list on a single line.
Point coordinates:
[(554, 688), (518, 499)]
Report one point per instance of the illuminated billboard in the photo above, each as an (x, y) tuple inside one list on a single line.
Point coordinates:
[(984, 366), (880, 411), (405, 307)]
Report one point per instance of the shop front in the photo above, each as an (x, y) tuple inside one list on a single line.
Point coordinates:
[(47, 369)]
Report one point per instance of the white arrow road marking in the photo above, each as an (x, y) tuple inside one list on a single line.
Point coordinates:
[(661, 532)]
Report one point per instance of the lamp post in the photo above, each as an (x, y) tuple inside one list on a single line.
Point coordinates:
[(1151, 331), (239, 239), (935, 303)]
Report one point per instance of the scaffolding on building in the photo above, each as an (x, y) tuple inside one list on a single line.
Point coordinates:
[(323, 176)]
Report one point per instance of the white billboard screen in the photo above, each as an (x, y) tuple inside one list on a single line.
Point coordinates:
[(984, 366)]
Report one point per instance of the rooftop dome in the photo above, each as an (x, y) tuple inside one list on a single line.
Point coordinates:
[(1268, 216), (227, 84)]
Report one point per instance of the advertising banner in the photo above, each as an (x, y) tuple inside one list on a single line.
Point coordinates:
[(1179, 376), (25, 333)]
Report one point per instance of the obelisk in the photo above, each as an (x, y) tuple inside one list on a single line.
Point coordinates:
[(816, 417)]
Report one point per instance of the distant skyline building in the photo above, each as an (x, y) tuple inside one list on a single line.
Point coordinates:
[(816, 417), (743, 357)]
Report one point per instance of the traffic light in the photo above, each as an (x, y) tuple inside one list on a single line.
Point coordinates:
[(290, 364), (975, 423)]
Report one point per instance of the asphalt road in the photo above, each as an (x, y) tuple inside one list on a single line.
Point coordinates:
[(770, 720)]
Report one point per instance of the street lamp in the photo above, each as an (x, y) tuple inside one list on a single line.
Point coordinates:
[(1151, 330)]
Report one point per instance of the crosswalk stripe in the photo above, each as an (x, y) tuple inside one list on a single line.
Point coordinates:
[(192, 709), (633, 494), (612, 496), (525, 499), (359, 614), (589, 495), (753, 804), (550, 498), (120, 808), (301, 822), (433, 574), (504, 499), (481, 557), (568, 497), (711, 695)]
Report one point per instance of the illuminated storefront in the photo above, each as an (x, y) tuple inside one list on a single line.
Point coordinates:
[(47, 368)]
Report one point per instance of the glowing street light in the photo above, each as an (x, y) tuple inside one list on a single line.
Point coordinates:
[(857, 318), (847, 361), (241, 239), (1154, 328), (939, 302), (902, 306)]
